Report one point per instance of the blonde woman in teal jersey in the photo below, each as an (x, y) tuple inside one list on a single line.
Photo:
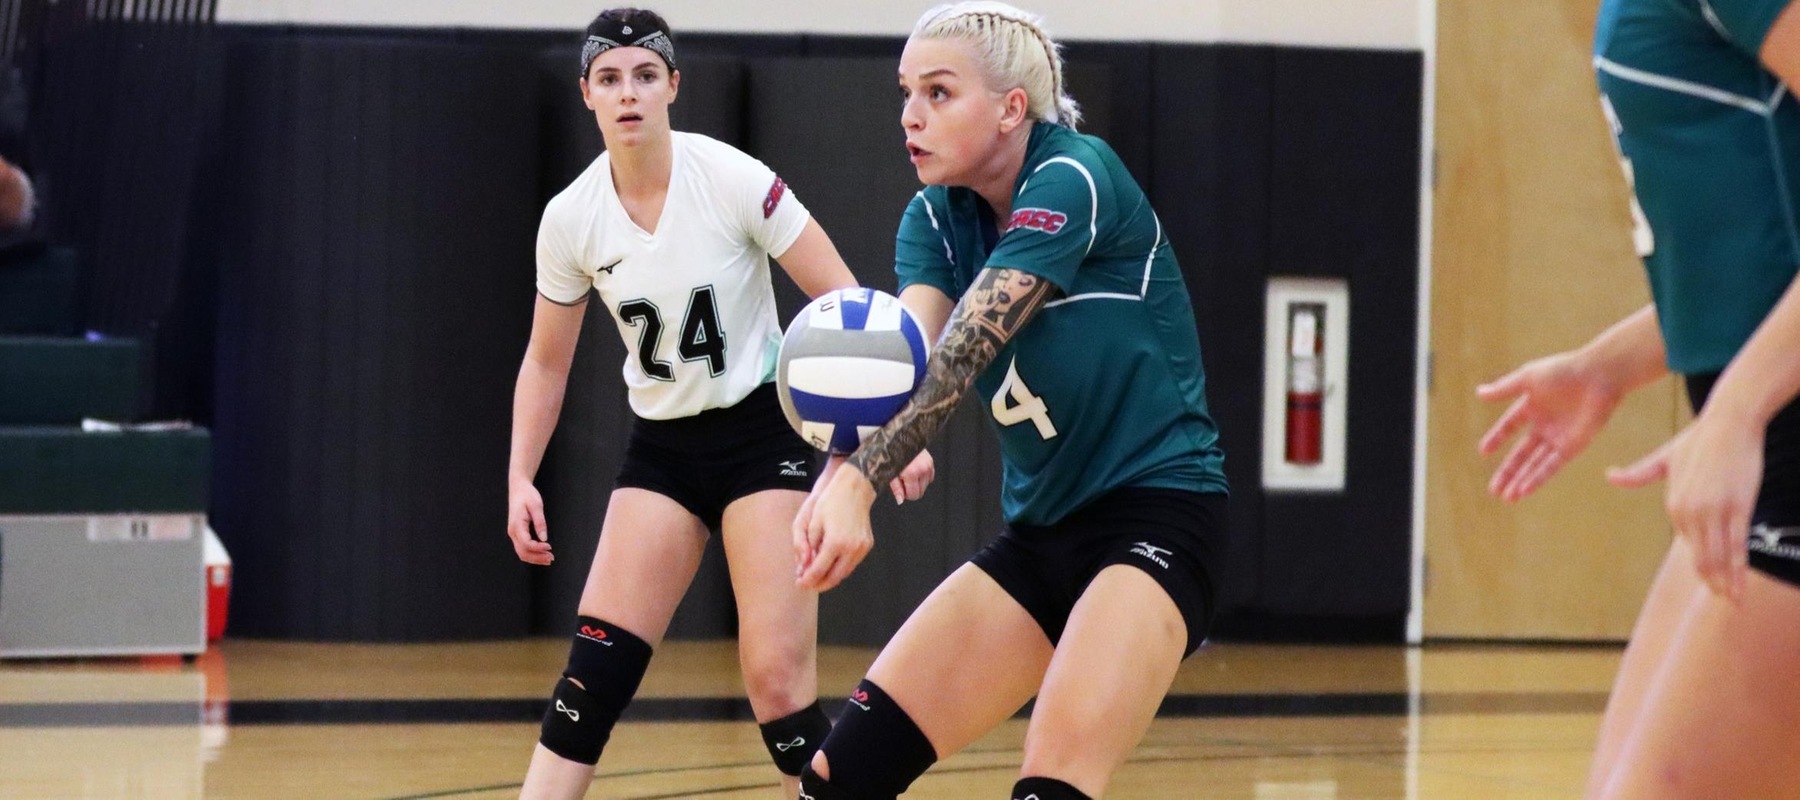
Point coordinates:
[(1707, 699), (1073, 327)]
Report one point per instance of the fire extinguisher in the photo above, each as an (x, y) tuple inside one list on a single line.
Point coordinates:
[(1305, 383)]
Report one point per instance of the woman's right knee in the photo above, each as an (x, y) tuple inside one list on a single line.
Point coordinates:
[(874, 752), (606, 665), (779, 678)]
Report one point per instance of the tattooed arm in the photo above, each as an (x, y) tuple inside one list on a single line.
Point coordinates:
[(836, 536), (993, 310)]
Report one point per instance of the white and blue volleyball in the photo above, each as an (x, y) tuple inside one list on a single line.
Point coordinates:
[(848, 363)]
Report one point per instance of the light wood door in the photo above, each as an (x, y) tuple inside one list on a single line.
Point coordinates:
[(1532, 254)]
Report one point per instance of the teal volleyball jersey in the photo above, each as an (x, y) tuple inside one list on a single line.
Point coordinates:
[(1103, 388), (1710, 140)]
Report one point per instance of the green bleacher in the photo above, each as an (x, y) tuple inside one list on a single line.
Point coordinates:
[(47, 380), (50, 380), (61, 470)]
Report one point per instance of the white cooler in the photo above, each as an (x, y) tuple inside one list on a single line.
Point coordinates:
[(102, 585)]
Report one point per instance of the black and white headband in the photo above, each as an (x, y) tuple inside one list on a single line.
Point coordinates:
[(620, 36)]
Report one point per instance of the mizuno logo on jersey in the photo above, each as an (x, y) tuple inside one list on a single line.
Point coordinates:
[(777, 190), (1038, 219), (609, 267)]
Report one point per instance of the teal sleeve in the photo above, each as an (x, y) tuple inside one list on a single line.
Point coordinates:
[(922, 249), (1054, 222), (1746, 22)]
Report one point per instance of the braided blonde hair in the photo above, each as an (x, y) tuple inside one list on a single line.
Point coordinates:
[(1012, 50)]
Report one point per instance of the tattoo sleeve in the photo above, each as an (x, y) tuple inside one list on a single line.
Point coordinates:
[(987, 317)]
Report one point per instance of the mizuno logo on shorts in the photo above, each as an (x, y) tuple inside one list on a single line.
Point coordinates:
[(796, 469), (1152, 552), (1770, 542)]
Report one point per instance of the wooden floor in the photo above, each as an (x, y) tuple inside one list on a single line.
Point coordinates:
[(266, 719)]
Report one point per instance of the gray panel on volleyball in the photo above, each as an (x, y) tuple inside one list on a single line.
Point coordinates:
[(80, 585)]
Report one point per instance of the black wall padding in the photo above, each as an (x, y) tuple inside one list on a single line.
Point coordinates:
[(1211, 192), (839, 146), (712, 98), (363, 230), (568, 136), (741, 45), (583, 456), (1342, 205), (122, 111), (374, 304), (1112, 83), (1263, 170)]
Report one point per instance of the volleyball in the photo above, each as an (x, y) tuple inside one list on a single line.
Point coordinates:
[(848, 362)]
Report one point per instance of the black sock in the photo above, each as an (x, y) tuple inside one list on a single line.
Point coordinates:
[(1045, 789)]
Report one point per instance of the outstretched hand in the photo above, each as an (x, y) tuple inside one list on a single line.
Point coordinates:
[(1559, 403)]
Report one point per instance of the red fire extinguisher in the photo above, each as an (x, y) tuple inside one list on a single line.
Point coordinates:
[(1305, 383)]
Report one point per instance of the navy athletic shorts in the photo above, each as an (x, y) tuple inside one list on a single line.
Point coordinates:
[(1774, 540), (1170, 534), (706, 461)]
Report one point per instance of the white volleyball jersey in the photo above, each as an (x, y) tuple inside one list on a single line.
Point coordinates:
[(693, 300)]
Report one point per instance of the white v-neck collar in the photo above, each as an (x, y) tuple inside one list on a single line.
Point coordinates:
[(677, 159)]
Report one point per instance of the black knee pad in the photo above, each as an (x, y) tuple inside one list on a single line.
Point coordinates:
[(793, 739), (875, 750), (1046, 789), (812, 787), (609, 663)]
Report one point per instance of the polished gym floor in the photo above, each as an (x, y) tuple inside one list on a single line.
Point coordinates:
[(276, 719)]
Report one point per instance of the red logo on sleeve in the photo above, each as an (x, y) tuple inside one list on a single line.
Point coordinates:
[(1038, 219), (777, 190)]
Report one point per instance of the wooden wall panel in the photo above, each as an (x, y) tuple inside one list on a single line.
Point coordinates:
[(1532, 255)]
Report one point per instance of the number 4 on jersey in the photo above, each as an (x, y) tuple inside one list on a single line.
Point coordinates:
[(1641, 234), (1026, 406), (701, 338)]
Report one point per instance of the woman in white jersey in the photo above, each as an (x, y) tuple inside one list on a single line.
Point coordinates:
[(673, 231)]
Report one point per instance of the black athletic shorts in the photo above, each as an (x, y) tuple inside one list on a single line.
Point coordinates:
[(1170, 534), (1774, 541), (706, 461)]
